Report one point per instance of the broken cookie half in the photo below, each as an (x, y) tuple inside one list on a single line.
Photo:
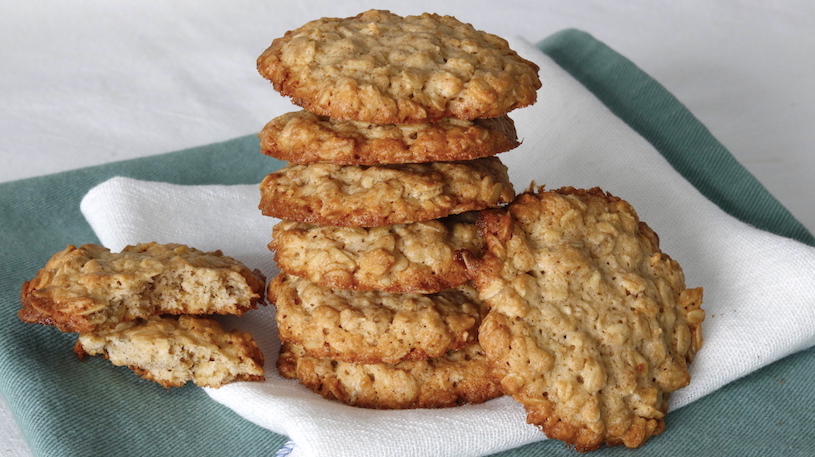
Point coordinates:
[(174, 350), (119, 304), (590, 326)]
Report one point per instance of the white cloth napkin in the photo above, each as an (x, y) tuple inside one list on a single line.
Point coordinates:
[(758, 286)]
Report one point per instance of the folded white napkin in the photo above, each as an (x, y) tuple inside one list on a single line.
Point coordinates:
[(758, 286)]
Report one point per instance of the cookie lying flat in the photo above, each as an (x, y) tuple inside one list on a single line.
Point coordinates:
[(373, 327), (89, 288), (304, 137), (404, 258), (382, 68), (371, 196), (172, 351), (455, 378), (590, 325)]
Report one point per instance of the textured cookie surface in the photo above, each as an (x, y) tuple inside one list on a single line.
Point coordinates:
[(373, 327), (590, 326), (382, 68), (370, 196), (172, 351), (304, 137), (455, 378), (89, 288), (403, 258)]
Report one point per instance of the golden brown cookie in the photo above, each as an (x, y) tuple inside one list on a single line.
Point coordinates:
[(89, 288), (373, 327), (303, 137), (455, 378), (404, 258), (371, 196), (590, 325), (174, 350), (382, 68)]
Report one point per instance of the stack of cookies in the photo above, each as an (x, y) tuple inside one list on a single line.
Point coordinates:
[(573, 309), (389, 160)]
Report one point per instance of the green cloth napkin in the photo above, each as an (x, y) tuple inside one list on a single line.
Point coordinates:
[(68, 408)]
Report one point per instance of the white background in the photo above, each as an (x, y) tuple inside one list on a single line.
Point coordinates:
[(88, 82)]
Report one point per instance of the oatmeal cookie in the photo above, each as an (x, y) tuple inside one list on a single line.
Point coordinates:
[(370, 196), (590, 325), (88, 288), (403, 258), (174, 350), (304, 137), (455, 378), (373, 327), (382, 68)]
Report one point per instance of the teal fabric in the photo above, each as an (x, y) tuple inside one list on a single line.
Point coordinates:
[(68, 408)]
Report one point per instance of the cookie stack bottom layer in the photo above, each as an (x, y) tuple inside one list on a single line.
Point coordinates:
[(457, 377)]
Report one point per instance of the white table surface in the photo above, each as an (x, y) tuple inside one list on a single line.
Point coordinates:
[(94, 81)]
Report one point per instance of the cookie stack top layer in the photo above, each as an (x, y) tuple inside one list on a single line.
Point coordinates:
[(382, 68)]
